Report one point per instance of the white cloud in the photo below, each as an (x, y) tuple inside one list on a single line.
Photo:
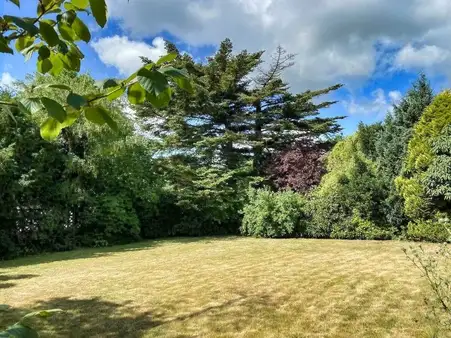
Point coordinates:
[(423, 57), (334, 40), (6, 80), (377, 105), (123, 53)]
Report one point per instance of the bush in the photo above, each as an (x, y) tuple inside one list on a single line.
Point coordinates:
[(109, 219), (274, 214), (360, 228), (434, 230)]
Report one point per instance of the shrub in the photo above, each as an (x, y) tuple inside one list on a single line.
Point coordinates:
[(351, 187), (436, 268), (433, 230), (360, 228), (109, 219), (274, 214)]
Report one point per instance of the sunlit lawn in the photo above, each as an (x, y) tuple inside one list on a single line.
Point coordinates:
[(229, 287)]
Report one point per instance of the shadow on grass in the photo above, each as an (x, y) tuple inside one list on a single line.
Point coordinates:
[(106, 251), (5, 280), (99, 318)]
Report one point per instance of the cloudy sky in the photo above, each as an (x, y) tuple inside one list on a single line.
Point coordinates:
[(376, 48)]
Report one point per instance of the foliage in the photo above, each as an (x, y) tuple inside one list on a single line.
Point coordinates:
[(233, 119), (55, 43), (89, 186), (392, 143), (435, 267), (208, 199), (437, 179), (274, 214), (348, 202), (24, 328), (424, 161), (360, 228), (437, 229), (300, 167)]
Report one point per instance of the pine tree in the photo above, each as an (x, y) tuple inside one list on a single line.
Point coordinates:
[(393, 143), (240, 111)]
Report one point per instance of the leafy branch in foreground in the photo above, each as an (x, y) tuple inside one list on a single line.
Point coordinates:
[(53, 34), (436, 268), (24, 328)]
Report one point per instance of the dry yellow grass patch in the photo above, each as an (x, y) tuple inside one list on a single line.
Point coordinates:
[(223, 287)]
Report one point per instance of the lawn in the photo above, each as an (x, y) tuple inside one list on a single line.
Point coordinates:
[(222, 287)]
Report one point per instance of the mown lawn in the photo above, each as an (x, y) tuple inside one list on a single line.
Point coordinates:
[(223, 287)]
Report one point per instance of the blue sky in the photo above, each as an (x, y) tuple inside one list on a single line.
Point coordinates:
[(376, 48)]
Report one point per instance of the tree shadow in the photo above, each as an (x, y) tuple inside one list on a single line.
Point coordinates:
[(99, 318), (85, 253), (5, 280)]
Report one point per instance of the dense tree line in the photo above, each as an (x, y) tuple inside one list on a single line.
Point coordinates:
[(185, 173), (387, 180), (243, 153)]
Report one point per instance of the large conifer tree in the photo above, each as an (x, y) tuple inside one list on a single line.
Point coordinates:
[(241, 110), (393, 142)]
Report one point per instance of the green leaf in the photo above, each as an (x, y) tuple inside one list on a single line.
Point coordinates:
[(82, 4), (63, 48), (21, 331), (136, 94), (72, 116), (4, 307), (32, 105), (16, 2), (69, 17), (54, 109), (161, 100), (100, 116), (167, 58), (130, 78), (76, 101), (50, 129), (24, 42), (152, 81), (42, 314), (174, 73), (49, 21), (28, 52), (116, 93), (184, 84), (110, 83), (66, 32), (75, 50), (57, 63), (48, 34), (54, 85), (44, 66), (44, 52), (69, 6), (99, 10), (46, 3), (81, 30), (25, 25), (70, 61), (4, 48)]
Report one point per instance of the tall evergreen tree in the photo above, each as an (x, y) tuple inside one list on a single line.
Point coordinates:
[(240, 111), (392, 144)]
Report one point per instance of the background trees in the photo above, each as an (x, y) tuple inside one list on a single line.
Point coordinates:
[(242, 111), (203, 134), (393, 141)]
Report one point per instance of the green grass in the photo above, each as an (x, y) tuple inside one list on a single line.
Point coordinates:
[(222, 287)]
